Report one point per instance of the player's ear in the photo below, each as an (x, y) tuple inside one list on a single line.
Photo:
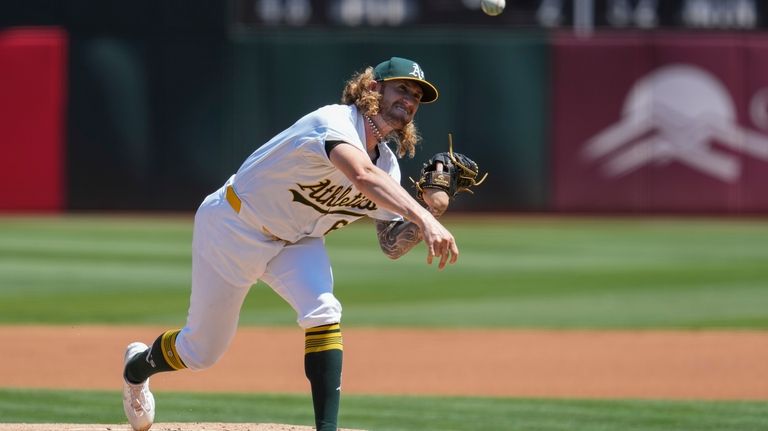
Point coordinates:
[(375, 86)]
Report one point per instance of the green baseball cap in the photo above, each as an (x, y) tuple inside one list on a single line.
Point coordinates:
[(402, 68)]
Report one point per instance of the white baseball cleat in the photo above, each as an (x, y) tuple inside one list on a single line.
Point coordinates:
[(138, 401)]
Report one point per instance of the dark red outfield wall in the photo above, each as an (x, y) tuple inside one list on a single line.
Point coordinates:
[(32, 93), (660, 122)]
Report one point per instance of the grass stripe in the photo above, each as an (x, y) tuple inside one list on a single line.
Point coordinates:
[(397, 413), (513, 272)]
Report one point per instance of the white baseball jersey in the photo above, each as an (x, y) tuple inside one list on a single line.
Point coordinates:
[(290, 187)]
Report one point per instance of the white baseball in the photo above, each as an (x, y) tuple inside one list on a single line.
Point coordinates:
[(492, 7)]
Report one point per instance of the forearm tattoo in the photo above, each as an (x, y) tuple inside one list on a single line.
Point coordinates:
[(397, 237)]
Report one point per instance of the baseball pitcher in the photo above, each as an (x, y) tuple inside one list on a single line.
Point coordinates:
[(268, 220)]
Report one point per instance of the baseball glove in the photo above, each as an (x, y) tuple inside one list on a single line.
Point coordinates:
[(451, 172)]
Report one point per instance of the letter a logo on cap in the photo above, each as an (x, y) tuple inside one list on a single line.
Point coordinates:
[(417, 72)]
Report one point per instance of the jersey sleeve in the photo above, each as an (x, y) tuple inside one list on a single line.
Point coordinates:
[(331, 124)]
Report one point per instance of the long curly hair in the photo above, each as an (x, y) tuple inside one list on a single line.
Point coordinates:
[(358, 91)]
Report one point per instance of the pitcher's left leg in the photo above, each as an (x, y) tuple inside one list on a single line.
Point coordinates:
[(301, 274)]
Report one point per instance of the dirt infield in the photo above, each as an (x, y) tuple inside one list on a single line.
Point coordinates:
[(580, 364), (514, 363)]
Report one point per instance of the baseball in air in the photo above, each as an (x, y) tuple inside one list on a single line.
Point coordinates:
[(492, 7)]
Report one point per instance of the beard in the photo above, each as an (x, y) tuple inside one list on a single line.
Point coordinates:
[(395, 117)]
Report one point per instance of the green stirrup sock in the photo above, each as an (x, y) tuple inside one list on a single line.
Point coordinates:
[(162, 356), (323, 354)]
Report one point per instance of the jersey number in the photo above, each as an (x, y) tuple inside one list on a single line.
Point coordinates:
[(337, 225)]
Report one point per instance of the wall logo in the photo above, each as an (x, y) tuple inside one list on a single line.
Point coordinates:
[(677, 113)]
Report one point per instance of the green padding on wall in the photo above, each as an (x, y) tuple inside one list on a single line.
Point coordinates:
[(160, 122), (492, 97)]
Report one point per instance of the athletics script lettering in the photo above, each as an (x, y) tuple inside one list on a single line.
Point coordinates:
[(328, 198)]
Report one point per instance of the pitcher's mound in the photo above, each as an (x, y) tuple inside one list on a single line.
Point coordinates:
[(191, 426)]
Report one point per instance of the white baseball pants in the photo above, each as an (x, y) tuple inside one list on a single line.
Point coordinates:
[(228, 257)]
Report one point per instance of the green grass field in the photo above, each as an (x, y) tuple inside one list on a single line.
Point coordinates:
[(513, 273), (517, 272), (398, 414)]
